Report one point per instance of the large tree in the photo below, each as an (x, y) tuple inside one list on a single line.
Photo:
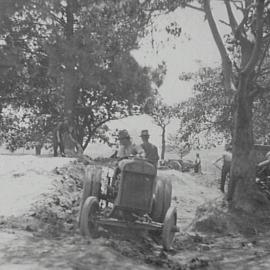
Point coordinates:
[(242, 75), (78, 50), (250, 37)]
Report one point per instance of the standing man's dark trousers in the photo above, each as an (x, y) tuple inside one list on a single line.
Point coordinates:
[(224, 172), (58, 143)]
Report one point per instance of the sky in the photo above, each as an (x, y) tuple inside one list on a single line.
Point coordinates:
[(195, 48)]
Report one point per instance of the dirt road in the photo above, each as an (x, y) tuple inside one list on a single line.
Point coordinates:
[(23, 246), (26, 245)]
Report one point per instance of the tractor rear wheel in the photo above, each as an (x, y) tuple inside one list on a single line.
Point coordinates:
[(157, 208), (162, 200), (167, 197), (169, 228)]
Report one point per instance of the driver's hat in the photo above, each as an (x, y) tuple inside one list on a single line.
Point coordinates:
[(123, 134), (144, 133)]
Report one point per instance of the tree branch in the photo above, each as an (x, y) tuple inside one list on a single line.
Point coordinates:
[(240, 6), (258, 90), (242, 35), (227, 24), (237, 29), (57, 19), (194, 7), (259, 33), (85, 144), (232, 20), (226, 62)]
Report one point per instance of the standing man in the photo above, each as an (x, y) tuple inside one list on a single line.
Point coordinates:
[(198, 165), (72, 146), (58, 137), (263, 168), (151, 151), (226, 167)]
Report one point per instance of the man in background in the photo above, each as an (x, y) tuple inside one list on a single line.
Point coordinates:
[(263, 168), (58, 137), (197, 165), (151, 151), (72, 146), (226, 166)]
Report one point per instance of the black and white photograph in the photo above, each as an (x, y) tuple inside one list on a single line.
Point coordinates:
[(134, 134)]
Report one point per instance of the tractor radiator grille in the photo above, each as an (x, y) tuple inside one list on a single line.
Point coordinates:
[(136, 191)]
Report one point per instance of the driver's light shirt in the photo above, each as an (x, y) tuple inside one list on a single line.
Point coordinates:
[(130, 150)]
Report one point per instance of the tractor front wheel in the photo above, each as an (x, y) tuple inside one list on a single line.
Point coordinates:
[(91, 186), (88, 224)]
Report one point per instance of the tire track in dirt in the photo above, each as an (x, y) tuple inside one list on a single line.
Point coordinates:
[(23, 251)]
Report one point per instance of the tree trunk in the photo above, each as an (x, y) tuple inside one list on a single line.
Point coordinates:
[(243, 192), (242, 188), (38, 148), (70, 95), (69, 73), (163, 142), (69, 76)]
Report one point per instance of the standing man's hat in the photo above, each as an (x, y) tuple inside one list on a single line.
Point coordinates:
[(122, 134), (144, 133)]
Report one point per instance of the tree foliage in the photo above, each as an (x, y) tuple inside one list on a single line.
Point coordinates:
[(210, 109), (23, 128), (74, 56)]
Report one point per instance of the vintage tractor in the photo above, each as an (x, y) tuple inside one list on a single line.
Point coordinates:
[(134, 198)]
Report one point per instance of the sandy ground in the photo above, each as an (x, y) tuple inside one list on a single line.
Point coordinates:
[(189, 191), (23, 178)]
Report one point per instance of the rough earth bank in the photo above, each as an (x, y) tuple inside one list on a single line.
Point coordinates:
[(43, 232)]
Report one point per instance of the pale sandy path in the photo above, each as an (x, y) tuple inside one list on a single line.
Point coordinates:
[(23, 178)]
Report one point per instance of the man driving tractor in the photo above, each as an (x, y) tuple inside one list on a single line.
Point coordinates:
[(127, 148)]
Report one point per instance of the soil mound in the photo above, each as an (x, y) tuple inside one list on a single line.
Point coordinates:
[(213, 217), (216, 217)]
